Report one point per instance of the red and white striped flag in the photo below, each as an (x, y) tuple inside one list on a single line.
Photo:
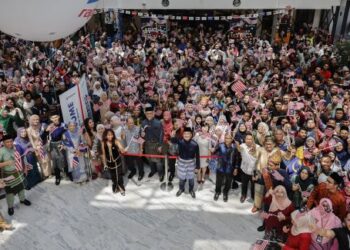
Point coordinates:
[(18, 161), (238, 87), (139, 140), (260, 245)]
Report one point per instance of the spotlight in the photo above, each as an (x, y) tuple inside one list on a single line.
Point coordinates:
[(165, 3), (236, 3)]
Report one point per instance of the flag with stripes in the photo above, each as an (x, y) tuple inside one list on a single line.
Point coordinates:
[(75, 162), (260, 245), (238, 87), (138, 139), (18, 161)]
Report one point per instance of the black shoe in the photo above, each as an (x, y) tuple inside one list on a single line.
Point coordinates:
[(179, 192), (161, 178), (151, 174), (171, 177), (193, 194), (131, 175), (57, 182), (225, 197), (234, 185), (261, 228), (26, 202), (140, 177), (216, 196), (114, 188), (243, 199), (122, 192), (10, 211)]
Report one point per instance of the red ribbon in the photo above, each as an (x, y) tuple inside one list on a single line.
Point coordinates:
[(169, 157)]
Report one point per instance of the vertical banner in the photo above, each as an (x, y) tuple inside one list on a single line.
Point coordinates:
[(84, 97), (70, 106), (75, 103)]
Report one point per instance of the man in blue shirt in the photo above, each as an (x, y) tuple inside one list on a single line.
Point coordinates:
[(227, 166)]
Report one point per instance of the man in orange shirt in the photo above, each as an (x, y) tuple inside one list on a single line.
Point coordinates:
[(330, 190)]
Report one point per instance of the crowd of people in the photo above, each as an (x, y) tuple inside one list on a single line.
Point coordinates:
[(273, 116)]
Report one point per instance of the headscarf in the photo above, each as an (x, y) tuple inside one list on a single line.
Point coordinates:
[(97, 92), (325, 220), (99, 136), (31, 118), (22, 142), (75, 133), (304, 184), (301, 222), (279, 203)]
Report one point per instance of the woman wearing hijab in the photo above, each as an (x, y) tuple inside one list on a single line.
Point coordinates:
[(97, 89), (278, 215), (75, 150), (241, 133), (30, 163), (325, 219), (341, 153), (303, 184), (299, 236), (37, 134), (261, 133)]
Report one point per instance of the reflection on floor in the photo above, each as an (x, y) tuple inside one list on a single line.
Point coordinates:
[(71, 216)]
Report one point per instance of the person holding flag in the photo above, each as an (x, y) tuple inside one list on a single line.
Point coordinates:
[(29, 160), (11, 167), (73, 142)]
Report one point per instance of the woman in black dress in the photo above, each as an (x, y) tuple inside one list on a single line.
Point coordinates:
[(111, 157)]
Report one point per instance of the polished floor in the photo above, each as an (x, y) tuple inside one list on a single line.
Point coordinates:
[(90, 216)]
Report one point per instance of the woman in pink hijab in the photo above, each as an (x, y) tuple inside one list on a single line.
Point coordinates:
[(325, 219), (279, 213)]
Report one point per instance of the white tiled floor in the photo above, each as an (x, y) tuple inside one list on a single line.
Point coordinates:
[(90, 216)]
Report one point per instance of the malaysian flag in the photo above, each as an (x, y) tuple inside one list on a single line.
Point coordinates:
[(18, 161), (75, 162), (138, 139), (238, 88), (260, 244)]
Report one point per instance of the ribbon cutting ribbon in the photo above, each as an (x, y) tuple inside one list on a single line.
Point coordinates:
[(169, 157)]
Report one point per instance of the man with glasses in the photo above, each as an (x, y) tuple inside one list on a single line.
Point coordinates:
[(330, 190)]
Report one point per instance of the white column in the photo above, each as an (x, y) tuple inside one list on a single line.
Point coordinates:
[(317, 19)]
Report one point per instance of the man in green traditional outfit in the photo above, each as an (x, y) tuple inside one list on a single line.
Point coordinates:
[(12, 177)]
